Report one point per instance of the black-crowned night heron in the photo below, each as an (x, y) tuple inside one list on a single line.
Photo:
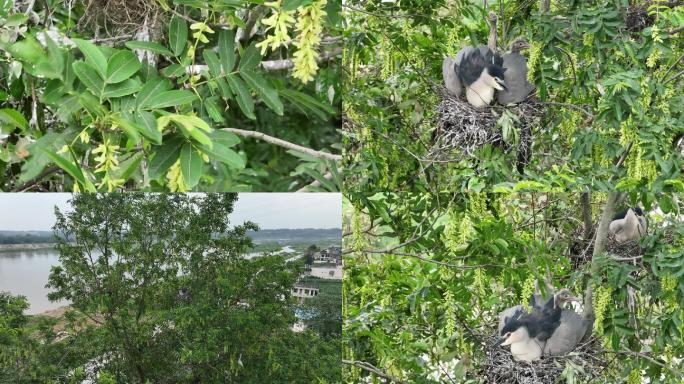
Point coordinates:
[(568, 335), (554, 306), (515, 64), (528, 334), (628, 225), (481, 73)]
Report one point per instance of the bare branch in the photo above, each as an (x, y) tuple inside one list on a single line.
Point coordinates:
[(283, 143), (372, 369)]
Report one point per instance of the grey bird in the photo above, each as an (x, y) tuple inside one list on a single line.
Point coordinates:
[(568, 335), (527, 334), (628, 225), (517, 86), (481, 73), (450, 67)]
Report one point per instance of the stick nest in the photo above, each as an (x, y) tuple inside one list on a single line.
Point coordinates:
[(119, 16), (500, 367), (466, 128), (581, 249)]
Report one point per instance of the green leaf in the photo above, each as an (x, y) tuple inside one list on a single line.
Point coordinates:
[(243, 97), (13, 118), (291, 5), (226, 47), (225, 155), (164, 157), (71, 168), (16, 20), (191, 165), (171, 99), (28, 50), (251, 58), (128, 126), (212, 62), (264, 90), (225, 138), (148, 126), (308, 103), (152, 88), (121, 66), (88, 77), (125, 88), (127, 166), (178, 35), (149, 46), (93, 56)]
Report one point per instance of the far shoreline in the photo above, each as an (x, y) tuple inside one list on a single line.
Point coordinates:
[(26, 247)]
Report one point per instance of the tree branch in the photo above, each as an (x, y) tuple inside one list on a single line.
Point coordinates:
[(372, 369), (270, 65), (283, 143)]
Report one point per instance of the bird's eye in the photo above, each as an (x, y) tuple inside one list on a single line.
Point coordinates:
[(507, 335)]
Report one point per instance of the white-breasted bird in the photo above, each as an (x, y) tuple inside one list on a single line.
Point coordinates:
[(481, 73), (628, 225), (517, 86)]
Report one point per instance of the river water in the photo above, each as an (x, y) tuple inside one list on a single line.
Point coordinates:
[(25, 272)]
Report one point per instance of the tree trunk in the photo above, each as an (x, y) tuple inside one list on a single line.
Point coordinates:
[(491, 43), (544, 6), (599, 248), (586, 215)]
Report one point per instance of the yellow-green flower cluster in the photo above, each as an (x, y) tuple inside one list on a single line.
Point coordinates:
[(601, 301), (174, 178), (534, 60), (357, 238), (107, 162), (634, 377), (479, 282), (527, 292), (309, 28), (653, 58), (279, 21), (450, 313), (201, 29)]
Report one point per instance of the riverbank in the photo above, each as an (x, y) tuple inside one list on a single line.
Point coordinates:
[(25, 247)]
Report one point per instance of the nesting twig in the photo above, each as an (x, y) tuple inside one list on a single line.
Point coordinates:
[(461, 126), (500, 367)]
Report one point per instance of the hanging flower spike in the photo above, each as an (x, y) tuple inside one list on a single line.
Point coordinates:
[(107, 162), (279, 22), (201, 29), (310, 27), (175, 179)]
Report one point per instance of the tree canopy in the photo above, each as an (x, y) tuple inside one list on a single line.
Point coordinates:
[(160, 291), (608, 78), (428, 274)]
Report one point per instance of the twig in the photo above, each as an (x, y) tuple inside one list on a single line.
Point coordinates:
[(47, 172), (269, 65), (372, 369), (283, 143)]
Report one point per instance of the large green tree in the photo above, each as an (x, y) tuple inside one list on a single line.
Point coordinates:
[(163, 281)]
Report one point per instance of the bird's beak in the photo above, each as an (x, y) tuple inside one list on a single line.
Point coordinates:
[(498, 342), (574, 298), (503, 85)]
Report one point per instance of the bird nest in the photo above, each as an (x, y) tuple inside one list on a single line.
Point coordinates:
[(461, 126), (119, 16), (500, 367), (581, 249)]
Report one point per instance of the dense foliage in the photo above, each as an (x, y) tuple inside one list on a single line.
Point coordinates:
[(427, 275), (160, 292), (169, 95), (608, 74)]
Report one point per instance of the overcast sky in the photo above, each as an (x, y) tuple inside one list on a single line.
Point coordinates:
[(35, 211)]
